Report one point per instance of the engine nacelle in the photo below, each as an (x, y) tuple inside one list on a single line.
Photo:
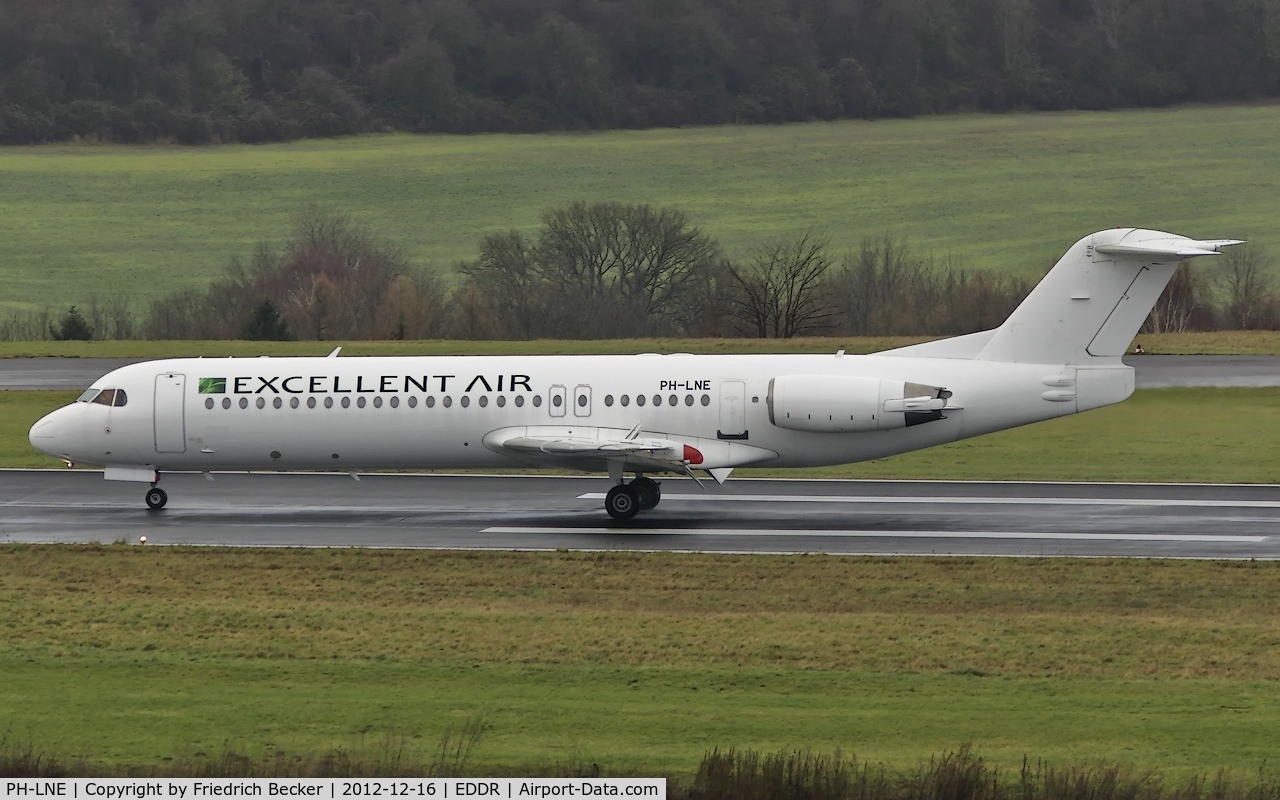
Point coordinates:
[(842, 404)]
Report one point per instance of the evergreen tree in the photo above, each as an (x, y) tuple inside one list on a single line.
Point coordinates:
[(265, 325), (72, 328)]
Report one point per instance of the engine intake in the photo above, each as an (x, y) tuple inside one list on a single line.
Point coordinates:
[(840, 404)]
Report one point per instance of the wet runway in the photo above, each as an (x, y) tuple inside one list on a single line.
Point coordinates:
[(1153, 372), (547, 513)]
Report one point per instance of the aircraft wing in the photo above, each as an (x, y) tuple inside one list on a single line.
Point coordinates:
[(575, 446), (591, 449)]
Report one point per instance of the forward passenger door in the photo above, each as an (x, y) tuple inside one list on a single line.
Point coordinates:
[(169, 413)]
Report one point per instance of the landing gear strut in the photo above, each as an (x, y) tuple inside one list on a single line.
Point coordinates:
[(156, 498), (625, 500)]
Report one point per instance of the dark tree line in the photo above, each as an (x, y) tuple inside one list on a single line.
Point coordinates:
[(258, 70)]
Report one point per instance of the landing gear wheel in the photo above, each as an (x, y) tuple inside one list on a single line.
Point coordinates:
[(156, 498), (622, 502), (649, 490)]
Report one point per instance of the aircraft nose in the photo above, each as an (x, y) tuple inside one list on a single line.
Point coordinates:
[(49, 434)]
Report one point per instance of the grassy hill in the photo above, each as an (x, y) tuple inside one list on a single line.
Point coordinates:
[(1005, 192)]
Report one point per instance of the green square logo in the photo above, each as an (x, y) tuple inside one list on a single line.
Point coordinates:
[(213, 386)]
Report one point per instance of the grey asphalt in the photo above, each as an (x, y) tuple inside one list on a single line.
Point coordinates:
[(56, 373), (546, 513), (1153, 372)]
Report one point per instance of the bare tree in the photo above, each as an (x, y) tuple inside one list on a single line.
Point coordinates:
[(781, 289), (880, 287), (119, 322), (886, 289), (644, 257), (410, 309), (505, 289), (472, 317), (20, 325), (1247, 288), (1181, 303), (596, 270)]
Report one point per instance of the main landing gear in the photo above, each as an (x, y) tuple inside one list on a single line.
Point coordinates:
[(625, 500), (156, 498)]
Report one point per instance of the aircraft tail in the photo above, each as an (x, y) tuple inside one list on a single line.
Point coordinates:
[(1094, 300)]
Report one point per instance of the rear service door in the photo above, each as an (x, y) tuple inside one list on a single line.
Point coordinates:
[(170, 413), (733, 410)]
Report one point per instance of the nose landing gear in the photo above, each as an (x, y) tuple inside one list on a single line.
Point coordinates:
[(625, 500), (156, 498)]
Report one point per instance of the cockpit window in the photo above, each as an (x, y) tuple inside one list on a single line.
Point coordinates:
[(121, 398), (88, 395), (106, 397)]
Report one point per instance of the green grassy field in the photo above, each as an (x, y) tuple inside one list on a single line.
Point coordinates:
[(1209, 343), (127, 655), (1007, 192), (1190, 435)]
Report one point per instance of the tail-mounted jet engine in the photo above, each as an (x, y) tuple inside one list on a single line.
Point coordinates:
[(837, 404)]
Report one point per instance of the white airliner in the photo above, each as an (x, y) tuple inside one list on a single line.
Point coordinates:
[(1058, 353)]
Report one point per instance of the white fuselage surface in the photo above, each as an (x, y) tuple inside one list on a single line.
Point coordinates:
[(435, 412)]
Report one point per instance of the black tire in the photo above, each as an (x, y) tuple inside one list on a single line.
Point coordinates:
[(156, 498), (649, 490), (622, 502)]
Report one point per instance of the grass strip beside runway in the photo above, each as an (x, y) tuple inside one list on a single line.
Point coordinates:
[(1199, 435), (127, 654)]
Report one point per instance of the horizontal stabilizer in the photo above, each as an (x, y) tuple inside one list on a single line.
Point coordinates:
[(1173, 248)]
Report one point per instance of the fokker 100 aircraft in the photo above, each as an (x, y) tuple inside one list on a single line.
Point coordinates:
[(1058, 353)]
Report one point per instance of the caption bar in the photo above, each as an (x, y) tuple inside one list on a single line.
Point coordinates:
[(331, 789)]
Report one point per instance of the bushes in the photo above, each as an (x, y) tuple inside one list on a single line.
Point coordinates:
[(961, 775), (886, 289), (722, 775), (332, 281)]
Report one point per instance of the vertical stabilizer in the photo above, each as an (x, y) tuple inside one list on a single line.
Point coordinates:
[(1094, 300)]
